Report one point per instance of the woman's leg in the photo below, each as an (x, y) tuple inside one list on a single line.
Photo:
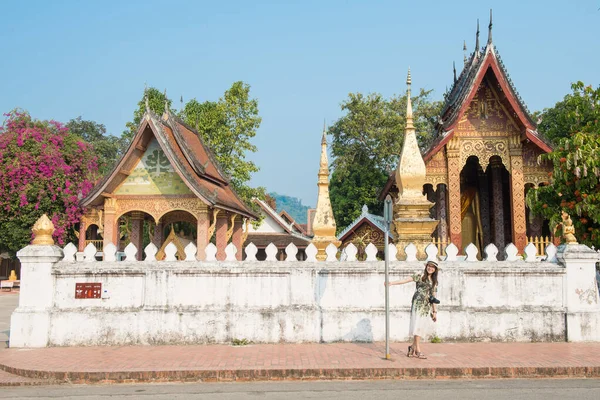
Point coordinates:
[(416, 345)]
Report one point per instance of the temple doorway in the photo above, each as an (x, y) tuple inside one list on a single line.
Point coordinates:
[(486, 215)]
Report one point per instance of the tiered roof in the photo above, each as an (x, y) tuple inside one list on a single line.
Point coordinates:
[(464, 88), (190, 157), (290, 231), (375, 221)]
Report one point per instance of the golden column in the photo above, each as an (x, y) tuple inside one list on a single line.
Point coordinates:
[(324, 222), (517, 193), (411, 211)]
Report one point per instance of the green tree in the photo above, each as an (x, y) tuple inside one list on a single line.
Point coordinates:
[(360, 184), (108, 148), (227, 127), (367, 140), (575, 113), (575, 183), (44, 168)]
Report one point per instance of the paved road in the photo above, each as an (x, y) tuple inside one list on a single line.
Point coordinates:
[(363, 390), (8, 302)]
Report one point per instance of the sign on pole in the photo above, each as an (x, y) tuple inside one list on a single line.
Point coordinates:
[(388, 213)]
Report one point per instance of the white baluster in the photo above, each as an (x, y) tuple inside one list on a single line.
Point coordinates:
[(150, 252), (511, 252), (530, 252), (251, 251), (110, 252), (551, 251), (371, 252), (291, 252), (471, 252), (69, 252), (432, 251), (170, 252), (271, 251), (451, 252), (89, 253), (411, 252), (211, 252), (331, 252), (491, 252), (351, 252), (190, 252), (311, 253), (230, 252)]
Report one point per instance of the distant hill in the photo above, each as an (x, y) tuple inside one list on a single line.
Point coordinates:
[(292, 205)]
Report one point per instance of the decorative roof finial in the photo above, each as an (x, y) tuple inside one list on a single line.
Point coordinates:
[(477, 38), (490, 29), (409, 112), (454, 67), (324, 139), (465, 51)]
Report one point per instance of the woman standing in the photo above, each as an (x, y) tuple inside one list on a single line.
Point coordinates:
[(423, 306)]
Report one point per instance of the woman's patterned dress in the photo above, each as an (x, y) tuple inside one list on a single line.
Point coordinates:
[(420, 312)]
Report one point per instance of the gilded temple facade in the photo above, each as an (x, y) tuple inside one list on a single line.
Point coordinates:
[(483, 159), (167, 176)]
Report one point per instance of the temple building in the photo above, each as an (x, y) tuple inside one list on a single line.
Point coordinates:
[(279, 229), (366, 228), (167, 187), (484, 158)]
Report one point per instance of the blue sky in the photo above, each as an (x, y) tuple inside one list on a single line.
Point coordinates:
[(62, 59)]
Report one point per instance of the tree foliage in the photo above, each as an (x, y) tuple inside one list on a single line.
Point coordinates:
[(108, 148), (366, 146), (373, 127), (44, 168), (360, 184), (227, 127), (575, 113), (575, 183)]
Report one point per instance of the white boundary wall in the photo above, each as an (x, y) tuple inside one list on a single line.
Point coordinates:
[(172, 302)]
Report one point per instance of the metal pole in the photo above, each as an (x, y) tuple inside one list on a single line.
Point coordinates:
[(387, 214)]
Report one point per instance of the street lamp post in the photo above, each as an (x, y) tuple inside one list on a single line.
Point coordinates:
[(387, 216)]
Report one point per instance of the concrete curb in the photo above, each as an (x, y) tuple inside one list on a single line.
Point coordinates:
[(244, 375)]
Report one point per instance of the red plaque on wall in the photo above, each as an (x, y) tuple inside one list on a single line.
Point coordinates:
[(88, 290)]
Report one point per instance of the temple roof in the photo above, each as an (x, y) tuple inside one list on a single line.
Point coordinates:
[(365, 217), (290, 220), (192, 160), (291, 228), (291, 232), (458, 98)]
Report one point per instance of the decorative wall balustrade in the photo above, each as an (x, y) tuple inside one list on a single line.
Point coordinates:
[(434, 252)]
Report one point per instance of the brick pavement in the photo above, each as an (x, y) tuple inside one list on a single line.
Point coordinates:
[(301, 361)]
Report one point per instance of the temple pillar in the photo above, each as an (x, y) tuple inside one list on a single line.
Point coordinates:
[(441, 214), (202, 238), (497, 206), (454, 192), (517, 197), (111, 227), (157, 236), (137, 233), (237, 237), (82, 229), (221, 232), (484, 208)]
